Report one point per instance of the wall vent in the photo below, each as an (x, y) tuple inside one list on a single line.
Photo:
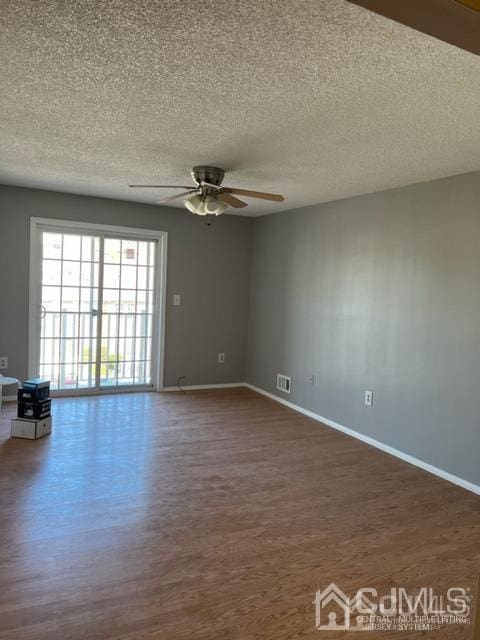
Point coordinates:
[(284, 383)]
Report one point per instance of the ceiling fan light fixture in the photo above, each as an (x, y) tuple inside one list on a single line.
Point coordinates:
[(195, 205), (221, 208), (213, 206), (205, 205)]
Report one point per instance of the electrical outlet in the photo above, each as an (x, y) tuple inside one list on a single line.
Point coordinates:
[(284, 383), (369, 398), (3, 362), (221, 358)]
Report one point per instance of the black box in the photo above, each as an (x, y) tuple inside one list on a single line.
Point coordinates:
[(34, 410), (34, 390)]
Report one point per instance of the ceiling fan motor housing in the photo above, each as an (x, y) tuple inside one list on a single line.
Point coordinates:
[(213, 175)]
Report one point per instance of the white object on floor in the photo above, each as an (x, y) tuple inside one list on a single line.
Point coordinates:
[(4, 381), (31, 429)]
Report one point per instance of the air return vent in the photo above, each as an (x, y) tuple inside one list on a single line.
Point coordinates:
[(284, 383)]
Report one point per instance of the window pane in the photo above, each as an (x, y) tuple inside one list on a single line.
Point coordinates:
[(112, 250), (109, 324), (145, 277), (126, 349), (51, 298), (71, 247), (141, 302), (52, 245), (87, 350), (71, 273), (86, 375), (69, 325), (127, 325), (109, 350), (122, 349), (88, 300), (108, 373), (68, 376), (110, 300), (146, 253), (51, 272), (143, 372), (127, 301), (47, 372), (125, 373), (87, 325), (89, 276), (142, 277), (143, 325), (150, 301), (50, 325), (68, 350), (70, 298), (111, 276), (129, 277), (150, 278), (140, 349), (129, 252), (49, 350), (122, 324), (90, 248)]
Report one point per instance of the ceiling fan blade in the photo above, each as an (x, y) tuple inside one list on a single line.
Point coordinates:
[(232, 201), (473, 4), (255, 194), (178, 195), (160, 186), (454, 21)]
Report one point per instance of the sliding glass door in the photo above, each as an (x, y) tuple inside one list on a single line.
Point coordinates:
[(127, 312), (98, 309)]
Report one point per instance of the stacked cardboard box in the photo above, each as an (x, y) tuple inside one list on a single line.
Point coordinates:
[(33, 416)]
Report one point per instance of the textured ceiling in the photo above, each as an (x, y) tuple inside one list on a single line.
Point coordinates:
[(315, 99)]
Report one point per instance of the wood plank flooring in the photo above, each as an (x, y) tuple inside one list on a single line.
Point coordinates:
[(212, 515)]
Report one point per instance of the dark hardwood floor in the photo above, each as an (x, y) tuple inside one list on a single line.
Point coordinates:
[(212, 515)]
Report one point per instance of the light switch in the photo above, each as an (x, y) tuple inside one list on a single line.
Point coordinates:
[(177, 300)]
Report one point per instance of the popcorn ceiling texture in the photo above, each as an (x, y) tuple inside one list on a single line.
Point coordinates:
[(315, 99)]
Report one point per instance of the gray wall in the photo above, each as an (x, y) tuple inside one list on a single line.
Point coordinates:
[(378, 292), (208, 266)]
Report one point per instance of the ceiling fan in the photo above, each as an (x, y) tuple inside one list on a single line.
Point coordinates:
[(207, 196)]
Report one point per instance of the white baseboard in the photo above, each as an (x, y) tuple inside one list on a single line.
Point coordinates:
[(465, 484), (194, 387)]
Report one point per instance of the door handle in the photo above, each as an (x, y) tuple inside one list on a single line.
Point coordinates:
[(94, 313)]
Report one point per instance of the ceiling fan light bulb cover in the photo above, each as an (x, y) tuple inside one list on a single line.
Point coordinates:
[(196, 205), (213, 206), (221, 208)]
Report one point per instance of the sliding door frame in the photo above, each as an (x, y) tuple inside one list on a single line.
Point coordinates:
[(37, 225)]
